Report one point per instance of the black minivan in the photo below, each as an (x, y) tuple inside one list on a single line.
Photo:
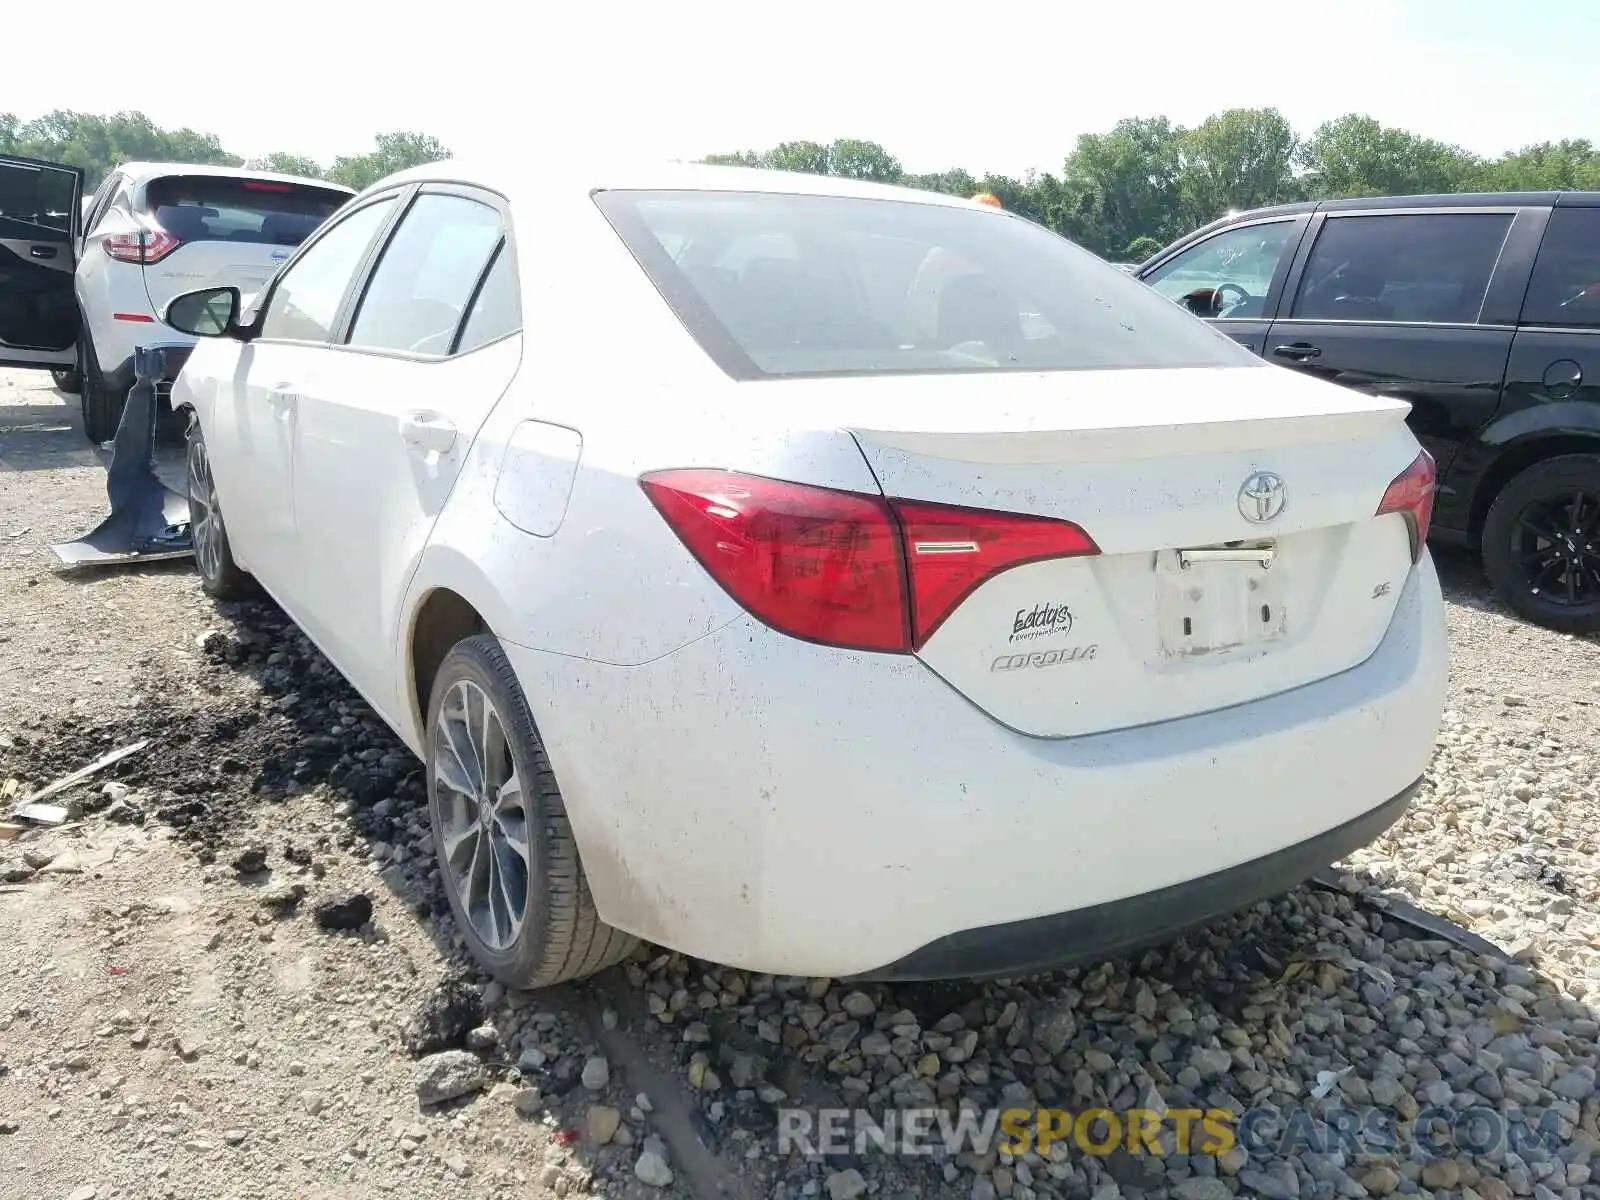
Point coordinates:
[(1483, 311)]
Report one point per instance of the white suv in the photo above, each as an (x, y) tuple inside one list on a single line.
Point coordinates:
[(90, 277)]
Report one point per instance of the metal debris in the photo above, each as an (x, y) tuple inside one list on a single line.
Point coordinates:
[(42, 814), (82, 773)]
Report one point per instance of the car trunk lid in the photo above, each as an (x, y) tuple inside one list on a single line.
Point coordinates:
[(1234, 511)]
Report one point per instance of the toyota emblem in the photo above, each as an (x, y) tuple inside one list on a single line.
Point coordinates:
[(1262, 497)]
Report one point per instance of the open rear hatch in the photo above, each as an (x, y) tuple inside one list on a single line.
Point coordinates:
[(1239, 533)]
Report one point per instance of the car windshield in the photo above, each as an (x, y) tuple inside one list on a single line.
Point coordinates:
[(201, 208), (775, 285)]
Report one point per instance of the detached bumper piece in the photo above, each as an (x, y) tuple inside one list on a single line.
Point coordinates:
[(1119, 927), (148, 520)]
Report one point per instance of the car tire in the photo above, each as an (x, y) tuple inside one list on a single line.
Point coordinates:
[(495, 845), (1543, 530), (68, 380), (102, 406), (220, 576)]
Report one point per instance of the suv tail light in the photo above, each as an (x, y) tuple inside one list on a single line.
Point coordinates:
[(1411, 495), (146, 247), (843, 568)]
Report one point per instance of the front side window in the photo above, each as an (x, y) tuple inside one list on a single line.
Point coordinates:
[(1565, 288), (425, 279), (305, 302), (1432, 268), (1228, 274), (774, 285), (100, 201)]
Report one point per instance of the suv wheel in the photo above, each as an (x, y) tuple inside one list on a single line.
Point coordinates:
[(67, 379), (220, 576), (102, 407), (507, 858), (1541, 543)]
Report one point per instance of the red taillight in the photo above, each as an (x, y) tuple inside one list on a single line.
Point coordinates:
[(842, 568), (147, 246), (954, 550), (261, 185), (1411, 495), (814, 563)]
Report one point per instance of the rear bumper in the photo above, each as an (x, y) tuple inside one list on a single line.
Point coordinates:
[(1120, 926), (767, 803)]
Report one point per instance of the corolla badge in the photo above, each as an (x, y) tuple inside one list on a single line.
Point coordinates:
[(1262, 497)]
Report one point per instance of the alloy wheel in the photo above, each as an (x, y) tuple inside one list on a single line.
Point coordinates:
[(1556, 545), (483, 815), (204, 522)]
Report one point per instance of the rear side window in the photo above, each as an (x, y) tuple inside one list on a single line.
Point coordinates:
[(775, 285), (427, 275), (1565, 288), (203, 208), (496, 311), (1432, 268)]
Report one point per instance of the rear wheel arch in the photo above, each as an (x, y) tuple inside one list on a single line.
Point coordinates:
[(442, 619), (1516, 459)]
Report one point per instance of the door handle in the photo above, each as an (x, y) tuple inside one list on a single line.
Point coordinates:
[(42, 251), (427, 431), (1298, 351)]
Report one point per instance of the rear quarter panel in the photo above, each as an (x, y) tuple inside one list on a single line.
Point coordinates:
[(605, 358)]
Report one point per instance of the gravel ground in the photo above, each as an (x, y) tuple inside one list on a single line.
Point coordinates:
[(233, 974)]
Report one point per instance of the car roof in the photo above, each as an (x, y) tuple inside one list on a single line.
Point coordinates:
[(144, 172), (513, 178), (1431, 200)]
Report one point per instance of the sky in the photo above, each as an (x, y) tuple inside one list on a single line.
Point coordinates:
[(943, 83)]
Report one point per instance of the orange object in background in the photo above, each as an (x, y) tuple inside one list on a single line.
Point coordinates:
[(988, 198)]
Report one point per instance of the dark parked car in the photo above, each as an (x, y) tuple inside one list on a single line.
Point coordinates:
[(1484, 312)]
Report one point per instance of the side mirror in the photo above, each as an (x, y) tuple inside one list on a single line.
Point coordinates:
[(213, 312)]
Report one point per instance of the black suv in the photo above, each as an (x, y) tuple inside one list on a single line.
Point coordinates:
[(1484, 312)]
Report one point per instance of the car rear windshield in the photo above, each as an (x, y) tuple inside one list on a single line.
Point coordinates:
[(200, 208), (774, 285)]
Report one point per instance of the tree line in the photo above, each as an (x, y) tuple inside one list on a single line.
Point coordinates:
[(1129, 191), (98, 143), (1123, 193)]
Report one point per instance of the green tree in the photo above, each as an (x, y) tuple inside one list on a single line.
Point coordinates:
[(857, 159), (852, 158), (1123, 184), (98, 143), (954, 182), (739, 158), (808, 157), (284, 163), (1142, 248), (1242, 158), (393, 152), (1545, 166), (1354, 155)]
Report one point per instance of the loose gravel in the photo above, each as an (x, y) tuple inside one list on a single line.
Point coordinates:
[(235, 974)]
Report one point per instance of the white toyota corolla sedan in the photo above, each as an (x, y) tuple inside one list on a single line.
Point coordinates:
[(817, 577)]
